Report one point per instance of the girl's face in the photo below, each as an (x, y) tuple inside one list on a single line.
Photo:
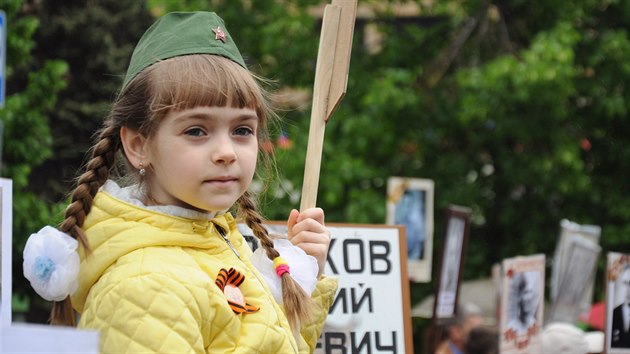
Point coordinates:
[(203, 158)]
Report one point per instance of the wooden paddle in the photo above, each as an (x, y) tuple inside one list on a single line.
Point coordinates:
[(331, 79)]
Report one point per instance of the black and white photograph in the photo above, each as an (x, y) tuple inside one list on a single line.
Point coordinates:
[(456, 233), (618, 303), (588, 236), (410, 203), (522, 304), (575, 283)]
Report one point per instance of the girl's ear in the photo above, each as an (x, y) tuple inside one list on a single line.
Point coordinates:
[(135, 146)]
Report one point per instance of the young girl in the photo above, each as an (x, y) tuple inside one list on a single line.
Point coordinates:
[(163, 267)]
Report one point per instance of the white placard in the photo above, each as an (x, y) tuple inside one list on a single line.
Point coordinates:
[(31, 338), (571, 234), (6, 196), (576, 281), (371, 312)]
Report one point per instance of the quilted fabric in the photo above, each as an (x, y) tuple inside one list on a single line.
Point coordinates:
[(148, 284)]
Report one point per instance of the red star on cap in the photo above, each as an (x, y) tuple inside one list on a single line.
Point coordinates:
[(219, 34)]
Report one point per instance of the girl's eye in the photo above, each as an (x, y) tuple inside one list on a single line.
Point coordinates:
[(243, 131), (195, 132)]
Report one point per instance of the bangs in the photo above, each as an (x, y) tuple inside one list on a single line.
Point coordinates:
[(203, 80)]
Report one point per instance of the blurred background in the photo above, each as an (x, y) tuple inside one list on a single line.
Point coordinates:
[(516, 109)]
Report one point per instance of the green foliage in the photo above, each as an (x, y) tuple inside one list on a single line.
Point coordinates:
[(65, 61), (27, 138), (524, 125), (96, 39), (526, 121)]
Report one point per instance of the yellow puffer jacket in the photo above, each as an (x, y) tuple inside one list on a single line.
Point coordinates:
[(148, 285)]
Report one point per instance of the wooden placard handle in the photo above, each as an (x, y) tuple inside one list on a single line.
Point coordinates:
[(323, 76), (331, 77)]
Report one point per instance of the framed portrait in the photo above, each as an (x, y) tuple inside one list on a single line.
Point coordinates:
[(617, 339), (522, 300), (573, 238), (451, 262), (410, 203), (574, 292)]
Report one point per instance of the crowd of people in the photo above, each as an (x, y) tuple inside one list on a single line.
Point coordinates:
[(468, 333)]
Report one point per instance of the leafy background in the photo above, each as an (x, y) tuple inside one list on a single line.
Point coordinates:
[(516, 109)]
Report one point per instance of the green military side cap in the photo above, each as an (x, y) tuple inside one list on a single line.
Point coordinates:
[(182, 33)]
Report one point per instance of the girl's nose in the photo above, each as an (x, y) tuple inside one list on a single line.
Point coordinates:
[(224, 152)]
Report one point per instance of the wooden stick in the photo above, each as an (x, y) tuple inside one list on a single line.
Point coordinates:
[(341, 66), (321, 88), (333, 59)]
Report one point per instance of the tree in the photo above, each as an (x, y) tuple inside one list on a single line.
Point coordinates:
[(74, 54), (517, 110), (96, 39), (31, 95)]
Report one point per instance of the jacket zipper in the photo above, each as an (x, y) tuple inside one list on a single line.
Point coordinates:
[(227, 240)]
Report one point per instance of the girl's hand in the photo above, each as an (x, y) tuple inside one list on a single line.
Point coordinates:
[(307, 230)]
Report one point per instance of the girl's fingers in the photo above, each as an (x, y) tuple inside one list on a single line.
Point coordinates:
[(310, 237), (316, 214), (306, 230), (308, 225), (293, 217)]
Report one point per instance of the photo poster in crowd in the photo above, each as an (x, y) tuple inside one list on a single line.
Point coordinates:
[(371, 312), (576, 281), (574, 239), (18, 337), (617, 335), (410, 203), (451, 262), (522, 301)]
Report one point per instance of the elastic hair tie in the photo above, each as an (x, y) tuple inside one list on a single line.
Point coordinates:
[(281, 266)]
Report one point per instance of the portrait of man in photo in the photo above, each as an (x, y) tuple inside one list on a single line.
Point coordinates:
[(523, 302), (620, 335)]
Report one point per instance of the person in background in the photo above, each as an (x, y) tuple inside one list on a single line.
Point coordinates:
[(468, 316), (482, 340)]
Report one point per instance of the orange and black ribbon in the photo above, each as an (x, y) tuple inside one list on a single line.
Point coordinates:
[(235, 278)]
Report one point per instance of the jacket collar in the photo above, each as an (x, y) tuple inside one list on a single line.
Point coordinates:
[(133, 195)]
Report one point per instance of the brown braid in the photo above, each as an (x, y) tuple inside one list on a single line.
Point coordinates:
[(297, 303), (95, 175)]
